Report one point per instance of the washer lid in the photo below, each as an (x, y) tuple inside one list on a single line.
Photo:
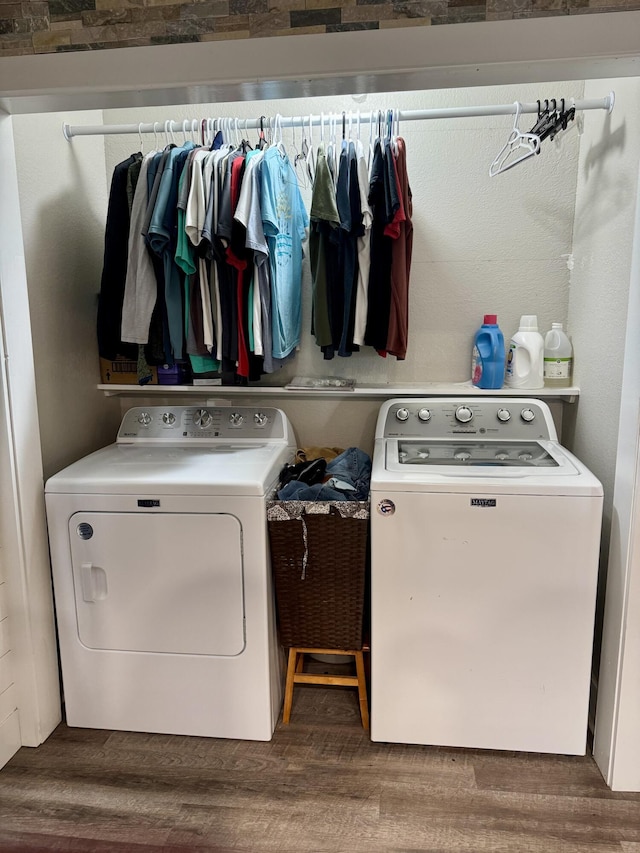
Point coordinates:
[(551, 469), (225, 468), (472, 454)]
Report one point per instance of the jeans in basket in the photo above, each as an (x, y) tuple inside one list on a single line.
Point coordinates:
[(349, 479)]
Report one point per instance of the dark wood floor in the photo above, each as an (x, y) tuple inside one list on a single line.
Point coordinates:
[(320, 786)]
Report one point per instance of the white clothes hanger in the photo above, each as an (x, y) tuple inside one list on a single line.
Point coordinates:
[(299, 159), (140, 138), (370, 151), (278, 140), (518, 147), (311, 166)]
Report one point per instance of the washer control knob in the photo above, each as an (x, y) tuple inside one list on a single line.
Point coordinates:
[(402, 414), (525, 457), (169, 418), (144, 418), (464, 414), (527, 415), (462, 455), (235, 418), (504, 415), (424, 415), (260, 418), (202, 418)]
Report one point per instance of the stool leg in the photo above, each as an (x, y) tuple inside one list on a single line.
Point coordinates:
[(362, 690), (288, 688)]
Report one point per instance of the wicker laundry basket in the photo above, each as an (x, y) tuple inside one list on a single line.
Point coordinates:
[(319, 556)]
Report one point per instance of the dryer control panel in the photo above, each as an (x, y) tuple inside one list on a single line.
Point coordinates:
[(498, 418), (188, 424)]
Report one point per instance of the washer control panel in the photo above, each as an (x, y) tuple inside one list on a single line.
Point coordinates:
[(502, 418), (200, 423)]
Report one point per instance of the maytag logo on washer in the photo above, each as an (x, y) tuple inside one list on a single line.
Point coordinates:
[(386, 507), (483, 502)]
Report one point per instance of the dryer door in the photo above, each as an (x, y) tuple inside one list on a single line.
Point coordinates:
[(158, 582)]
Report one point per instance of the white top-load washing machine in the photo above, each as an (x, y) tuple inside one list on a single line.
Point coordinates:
[(161, 574), (485, 540)]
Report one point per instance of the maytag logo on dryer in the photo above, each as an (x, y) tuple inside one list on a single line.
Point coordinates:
[(484, 502)]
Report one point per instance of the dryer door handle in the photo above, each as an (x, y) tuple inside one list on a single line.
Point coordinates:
[(94, 582)]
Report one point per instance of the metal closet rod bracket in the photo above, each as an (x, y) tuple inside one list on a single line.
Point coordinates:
[(606, 103)]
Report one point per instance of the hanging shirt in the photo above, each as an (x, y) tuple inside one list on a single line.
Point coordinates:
[(401, 262), (350, 270), (364, 249), (211, 180), (324, 220), (249, 214), (285, 221), (239, 257), (163, 240), (141, 288), (114, 270), (195, 210), (379, 297)]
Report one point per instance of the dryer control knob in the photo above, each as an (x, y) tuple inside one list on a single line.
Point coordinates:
[(202, 418), (144, 418), (464, 414), (424, 415), (402, 414), (260, 418), (462, 455), (169, 418), (527, 415), (504, 415), (235, 418)]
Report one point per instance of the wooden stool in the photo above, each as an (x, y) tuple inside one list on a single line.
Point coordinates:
[(295, 675)]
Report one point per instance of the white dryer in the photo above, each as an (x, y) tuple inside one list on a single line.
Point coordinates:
[(485, 540), (161, 574)]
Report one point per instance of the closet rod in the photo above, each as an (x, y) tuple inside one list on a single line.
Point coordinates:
[(171, 126)]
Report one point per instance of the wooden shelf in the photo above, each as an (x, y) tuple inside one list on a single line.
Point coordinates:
[(364, 392)]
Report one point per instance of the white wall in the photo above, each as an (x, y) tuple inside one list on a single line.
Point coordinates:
[(602, 248), (481, 244), (63, 203)]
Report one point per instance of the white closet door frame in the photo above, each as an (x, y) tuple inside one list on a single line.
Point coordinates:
[(616, 746), (22, 519)]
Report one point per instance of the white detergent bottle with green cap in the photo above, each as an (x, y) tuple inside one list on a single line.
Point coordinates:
[(558, 358), (525, 359)]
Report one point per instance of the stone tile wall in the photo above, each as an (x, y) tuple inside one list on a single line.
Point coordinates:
[(50, 26)]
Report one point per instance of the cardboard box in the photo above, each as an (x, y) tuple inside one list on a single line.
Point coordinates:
[(123, 371)]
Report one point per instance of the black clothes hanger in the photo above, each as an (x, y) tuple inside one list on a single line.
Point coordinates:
[(262, 142), (552, 119)]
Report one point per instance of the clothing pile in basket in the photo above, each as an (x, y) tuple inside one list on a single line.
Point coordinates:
[(342, 477)]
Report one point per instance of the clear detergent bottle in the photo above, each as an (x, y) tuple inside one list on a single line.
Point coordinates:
[(558, 358), (487, 363), (525, 359)]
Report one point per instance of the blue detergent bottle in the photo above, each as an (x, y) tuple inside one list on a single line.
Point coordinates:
[(487, 363)]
